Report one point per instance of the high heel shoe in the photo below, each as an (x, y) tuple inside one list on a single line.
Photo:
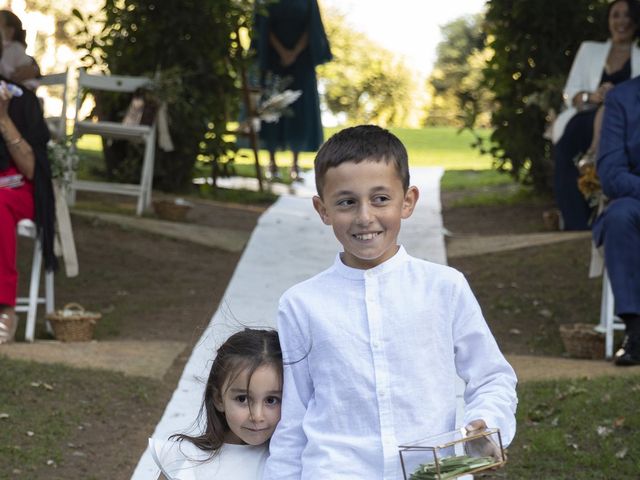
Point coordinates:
[(8, 327)]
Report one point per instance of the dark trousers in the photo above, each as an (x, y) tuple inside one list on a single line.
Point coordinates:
[(619, 229), (574, 142)]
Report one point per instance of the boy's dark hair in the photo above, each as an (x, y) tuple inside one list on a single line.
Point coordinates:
[(246, 350), (356, 144)]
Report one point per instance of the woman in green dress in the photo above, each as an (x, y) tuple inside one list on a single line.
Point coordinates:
[(290, 42)]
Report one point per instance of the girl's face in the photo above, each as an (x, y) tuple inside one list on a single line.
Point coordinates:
[(621, 26), (252, 415)]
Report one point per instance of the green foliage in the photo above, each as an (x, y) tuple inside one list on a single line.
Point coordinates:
[(62, 13), (364, 81), (534, 43), (194, 48), (458, 97)]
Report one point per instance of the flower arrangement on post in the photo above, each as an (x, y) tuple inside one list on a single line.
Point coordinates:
[(276, 98), (63, 160), (272, 101)]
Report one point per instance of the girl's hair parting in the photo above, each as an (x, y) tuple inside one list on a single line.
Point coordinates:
[(246, 350), (12, 20)]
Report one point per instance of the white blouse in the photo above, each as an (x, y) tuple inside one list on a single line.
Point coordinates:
[(184, 461)]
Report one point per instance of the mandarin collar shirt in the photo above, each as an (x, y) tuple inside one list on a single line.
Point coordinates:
[(371, 362)]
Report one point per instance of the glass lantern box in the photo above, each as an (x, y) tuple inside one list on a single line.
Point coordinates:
[(452, 455)]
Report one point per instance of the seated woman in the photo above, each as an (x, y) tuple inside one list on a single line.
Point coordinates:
[(15, 64), (25, 192), (618, 227), (598, 66)]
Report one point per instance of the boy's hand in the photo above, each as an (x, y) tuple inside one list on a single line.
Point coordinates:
[(483, 446)]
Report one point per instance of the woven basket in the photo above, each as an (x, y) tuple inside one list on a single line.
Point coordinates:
[(582, 341), (171, 210), (73, 323)]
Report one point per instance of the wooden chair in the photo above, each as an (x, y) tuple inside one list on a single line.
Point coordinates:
[(135, 133), (58, 123), (27, 228)]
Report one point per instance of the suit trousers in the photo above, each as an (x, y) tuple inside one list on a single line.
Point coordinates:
[(619, 229)]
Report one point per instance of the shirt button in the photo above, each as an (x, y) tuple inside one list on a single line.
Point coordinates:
[(383, 394), (376, 345)]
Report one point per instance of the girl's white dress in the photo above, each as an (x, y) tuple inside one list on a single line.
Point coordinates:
[(184, 461)]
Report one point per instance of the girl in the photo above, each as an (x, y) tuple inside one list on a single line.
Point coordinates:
[(241, 409), (15, 64)]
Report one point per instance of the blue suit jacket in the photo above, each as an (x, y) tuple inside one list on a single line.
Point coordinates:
[(619, 152)]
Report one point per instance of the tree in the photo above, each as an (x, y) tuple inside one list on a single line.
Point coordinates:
[(194, 47), (533, 43), (458, 96), (364, 81)]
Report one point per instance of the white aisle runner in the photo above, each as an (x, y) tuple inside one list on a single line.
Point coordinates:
[(288, 245)]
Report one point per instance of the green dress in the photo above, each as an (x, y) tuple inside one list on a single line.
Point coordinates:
[(288, 20)]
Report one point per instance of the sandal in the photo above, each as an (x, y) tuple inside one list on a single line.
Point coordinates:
[(8, 327)]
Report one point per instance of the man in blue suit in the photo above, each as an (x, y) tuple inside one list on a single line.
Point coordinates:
[(618, 227)]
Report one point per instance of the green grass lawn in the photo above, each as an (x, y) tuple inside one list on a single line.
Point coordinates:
[(446, 147), (49, 415), (433, 146), (583, 429)]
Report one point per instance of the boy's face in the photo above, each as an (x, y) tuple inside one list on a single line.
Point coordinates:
[(365, 203)]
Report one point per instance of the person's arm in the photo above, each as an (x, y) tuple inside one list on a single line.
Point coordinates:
[(289, 441), (490, 393), (19, 149), (287, 56), (613, 162), (578, 79), (26, 72)]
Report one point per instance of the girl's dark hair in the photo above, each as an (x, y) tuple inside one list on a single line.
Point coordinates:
[(12, 20), (634, 14), (247, 350)]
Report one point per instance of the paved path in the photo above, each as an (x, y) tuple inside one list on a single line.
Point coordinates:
[(469, 245), (140, 358), (288, 245), (224, 238)]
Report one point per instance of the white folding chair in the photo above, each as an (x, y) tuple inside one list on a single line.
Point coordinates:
[(57, 123), (135, 133), (27, 228), (609, 322)]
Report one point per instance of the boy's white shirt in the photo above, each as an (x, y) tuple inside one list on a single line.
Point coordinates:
[(371, 358), (184, 461)]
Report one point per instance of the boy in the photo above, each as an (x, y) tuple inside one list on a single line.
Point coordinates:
[(372, 345)]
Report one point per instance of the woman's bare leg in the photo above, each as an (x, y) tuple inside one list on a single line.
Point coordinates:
[(273, 168), (295, 171)]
